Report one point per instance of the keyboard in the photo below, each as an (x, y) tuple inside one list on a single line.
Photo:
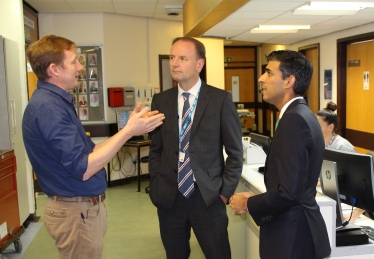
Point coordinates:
[(369, 231)]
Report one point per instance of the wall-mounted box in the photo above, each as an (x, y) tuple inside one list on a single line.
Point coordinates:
[(129, 96), (115, 97)]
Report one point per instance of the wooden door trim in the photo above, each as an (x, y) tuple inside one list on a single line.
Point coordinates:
[(357, 138), (303, 50)]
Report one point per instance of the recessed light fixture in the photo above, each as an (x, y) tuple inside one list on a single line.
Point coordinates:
[(173, 9), (332, 8), (279, 28)]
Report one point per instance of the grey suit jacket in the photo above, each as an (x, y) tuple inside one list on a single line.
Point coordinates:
[(215, 126), (288, 211)]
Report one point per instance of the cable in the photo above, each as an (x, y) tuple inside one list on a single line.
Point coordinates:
[(254, 144), (127, 173), (353, 201)]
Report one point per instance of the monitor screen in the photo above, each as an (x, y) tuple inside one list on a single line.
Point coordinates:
[(330, 188), (122, 118), (261, 141), (355, 177)]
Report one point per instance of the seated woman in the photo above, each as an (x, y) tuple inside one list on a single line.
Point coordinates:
[(329, 122)]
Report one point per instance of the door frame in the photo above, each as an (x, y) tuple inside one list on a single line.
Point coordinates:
[(303, 50), (357, 138)]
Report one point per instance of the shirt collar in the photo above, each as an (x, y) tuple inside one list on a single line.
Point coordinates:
[(284, 108), (55, 89), (194, 90)]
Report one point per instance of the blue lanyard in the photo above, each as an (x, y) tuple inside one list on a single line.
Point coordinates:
[(184, 126), (331, 140)]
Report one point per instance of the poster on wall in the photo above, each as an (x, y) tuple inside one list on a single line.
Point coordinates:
[(88, 96), (328, 84)]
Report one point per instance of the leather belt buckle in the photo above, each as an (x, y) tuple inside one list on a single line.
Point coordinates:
[(94, 201), (98, 199)]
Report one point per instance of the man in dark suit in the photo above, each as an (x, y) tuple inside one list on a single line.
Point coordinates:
[(291, 222), (215, 126)]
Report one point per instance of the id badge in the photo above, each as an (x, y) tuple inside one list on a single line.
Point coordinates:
[(181, 156)]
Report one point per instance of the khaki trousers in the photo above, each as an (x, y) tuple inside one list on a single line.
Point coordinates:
[(78, 227)]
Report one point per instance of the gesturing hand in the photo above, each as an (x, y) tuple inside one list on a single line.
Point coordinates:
[(142, 121)]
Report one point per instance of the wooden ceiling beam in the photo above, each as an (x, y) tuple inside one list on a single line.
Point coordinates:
[(200, 16)]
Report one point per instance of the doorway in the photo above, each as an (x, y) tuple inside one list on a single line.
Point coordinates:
[(353, 96)]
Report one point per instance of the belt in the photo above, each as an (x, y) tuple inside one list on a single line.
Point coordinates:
[(93, 199)]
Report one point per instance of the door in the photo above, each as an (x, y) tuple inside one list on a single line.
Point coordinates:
[(360, 95), (312, 95), (243, 80), (5, 136)]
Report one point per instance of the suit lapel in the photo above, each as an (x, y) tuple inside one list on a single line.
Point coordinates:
[(173, 107), (202, 102)]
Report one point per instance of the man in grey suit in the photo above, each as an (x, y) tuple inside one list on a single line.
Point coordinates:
[(291, 222), (215, 126)]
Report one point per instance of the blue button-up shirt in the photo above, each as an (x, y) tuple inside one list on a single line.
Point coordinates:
[(57, 145)]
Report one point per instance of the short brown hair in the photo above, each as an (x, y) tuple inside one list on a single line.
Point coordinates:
[(49, 49), (199, 46)]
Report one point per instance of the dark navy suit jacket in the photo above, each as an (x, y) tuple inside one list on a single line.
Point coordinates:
[(287, 213)]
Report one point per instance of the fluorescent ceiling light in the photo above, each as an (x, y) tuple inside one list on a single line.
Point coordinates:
[(279, 28), (332, 8), (173, 8)]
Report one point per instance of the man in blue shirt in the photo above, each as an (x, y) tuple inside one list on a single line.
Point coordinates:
[(69, 166)]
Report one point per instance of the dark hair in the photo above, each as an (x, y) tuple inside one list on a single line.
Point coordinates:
[(49, 49), (199, 46), (296, 64), (329, 116)]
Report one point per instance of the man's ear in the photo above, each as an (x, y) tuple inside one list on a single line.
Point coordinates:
[(200, 64), (52, 70), (290, 81)]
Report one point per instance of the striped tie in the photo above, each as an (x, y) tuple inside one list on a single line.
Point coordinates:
[(185, 175)]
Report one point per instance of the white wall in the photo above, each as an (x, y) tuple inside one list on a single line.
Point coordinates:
[(215, 68), (130, 45), (130, 49), (11, 20)]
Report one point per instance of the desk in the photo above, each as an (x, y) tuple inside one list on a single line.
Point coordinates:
[(244, 233), (143, 143)]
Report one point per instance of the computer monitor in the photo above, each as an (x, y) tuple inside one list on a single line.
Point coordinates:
[(330, 187), (261, 141), (355, 177), (122, 118)]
